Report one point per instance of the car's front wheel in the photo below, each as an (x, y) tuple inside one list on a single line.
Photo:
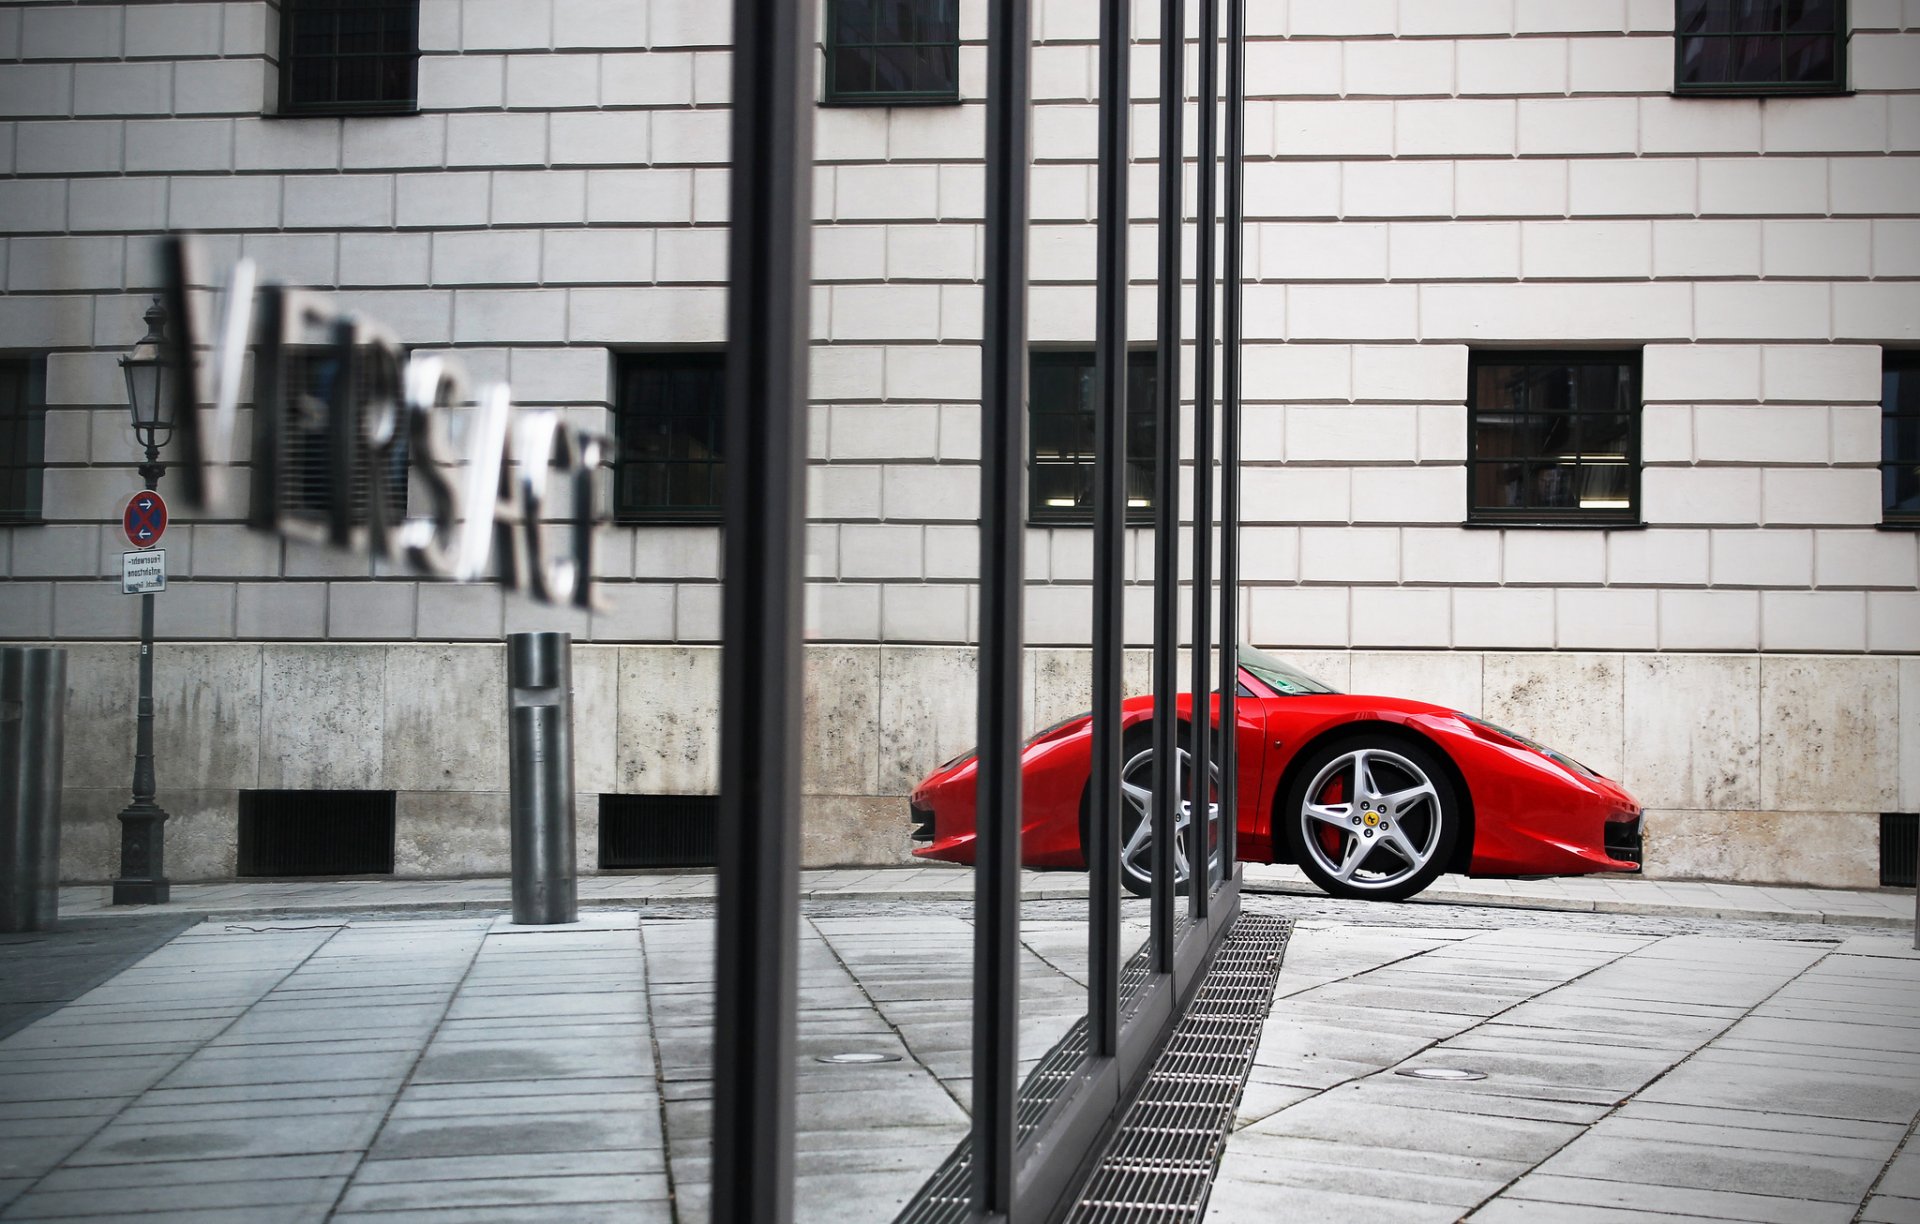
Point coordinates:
[(1136, 814), (1372, 817)]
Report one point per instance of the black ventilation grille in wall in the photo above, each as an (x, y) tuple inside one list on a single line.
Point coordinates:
[(1899, 842), (316, 833), (658, 831)]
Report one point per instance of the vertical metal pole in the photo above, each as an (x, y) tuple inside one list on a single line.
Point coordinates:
[(1003, 413), (1109, 530), (33, 703), (143, 823), (757, 942), (1199, 830), (1230, 333), (540, 777), (1166, 508)]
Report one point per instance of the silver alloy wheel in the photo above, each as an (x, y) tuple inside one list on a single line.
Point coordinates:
[(1136, 789), (1389, 821)]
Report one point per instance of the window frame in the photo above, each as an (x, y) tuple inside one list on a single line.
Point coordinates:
[(831, 93), (1842, 34), (289, 107), (28, 373), (1905, 360), (1039, 514), (625, 514), (1543, 516)]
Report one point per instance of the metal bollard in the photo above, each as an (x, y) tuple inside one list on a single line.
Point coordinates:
[(33, 702), (540, 764)]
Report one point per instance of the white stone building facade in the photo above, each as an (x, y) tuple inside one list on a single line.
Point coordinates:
[(1428, 182)]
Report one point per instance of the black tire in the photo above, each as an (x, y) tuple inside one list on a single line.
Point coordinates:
[(1390, 845)]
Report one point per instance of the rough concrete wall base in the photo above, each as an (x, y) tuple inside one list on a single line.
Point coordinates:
[(1828, 849), (1753, 767)]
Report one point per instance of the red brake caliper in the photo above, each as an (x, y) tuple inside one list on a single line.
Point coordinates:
[(1334, 792)]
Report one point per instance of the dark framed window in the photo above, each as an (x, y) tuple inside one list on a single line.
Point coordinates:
[(23, 438), (1060, 436), (892, 52), (671, 461), (1553, 437), (349, 56), (1900, 438), (1760, 46)]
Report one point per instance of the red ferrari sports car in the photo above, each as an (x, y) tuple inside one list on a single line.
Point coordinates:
[(1372, 796)]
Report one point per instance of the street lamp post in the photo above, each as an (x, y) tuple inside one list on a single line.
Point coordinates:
[(143, 879)]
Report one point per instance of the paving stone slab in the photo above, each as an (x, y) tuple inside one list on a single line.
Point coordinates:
[(1667, 1162), (1713, 1204), (1237, 1200)]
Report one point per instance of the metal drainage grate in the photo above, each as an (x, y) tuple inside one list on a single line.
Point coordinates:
[(644, 831), (1160, 1164), (316, 833), (1192, 1089), (1899, 844)]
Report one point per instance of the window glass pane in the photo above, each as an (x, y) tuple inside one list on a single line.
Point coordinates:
[(1754, 15), (894, 69), (1703, 61), (1060, 435), (852, 21), (1703, 16), (853, 69), (1553, 486), (1508, 436), (356, 54), (1605, 486), (1809, 59), (1554, 435), (885, 50), (1497, 486), (1755, 59), (1759, 43), (1810, 16), (669, 421)]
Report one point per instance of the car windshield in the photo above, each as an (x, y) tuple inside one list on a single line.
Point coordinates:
[(1283, 678)]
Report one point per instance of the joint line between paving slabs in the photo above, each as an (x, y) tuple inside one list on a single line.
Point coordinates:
[(1627, 1099), (965, 1106), (1874, 1189), (134, 1098), (386, 1116), (659, 1070)]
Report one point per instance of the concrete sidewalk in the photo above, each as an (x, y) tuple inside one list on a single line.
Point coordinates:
[(424, 1065), (1603, 894), (1628, 1077)]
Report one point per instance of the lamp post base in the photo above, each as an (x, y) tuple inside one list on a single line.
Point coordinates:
[(142, 879)]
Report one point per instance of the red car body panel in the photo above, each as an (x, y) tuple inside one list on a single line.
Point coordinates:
[(1530, 814)]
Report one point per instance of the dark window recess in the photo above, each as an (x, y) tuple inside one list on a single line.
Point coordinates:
[(23, 439), (316, 833), (658, 831), (1760, 46), (348, 56), (1900, 438), (892, 52), (1899, 843), (305, 478), (671, 460), (1554, 437), (1060, 436)]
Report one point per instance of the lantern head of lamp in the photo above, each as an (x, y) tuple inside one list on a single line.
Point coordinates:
[(145, 370)]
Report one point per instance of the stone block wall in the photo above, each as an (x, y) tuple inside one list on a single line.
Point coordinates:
[(1424, 177)]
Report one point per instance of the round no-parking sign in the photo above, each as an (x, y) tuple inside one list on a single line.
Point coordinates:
[(145, 519)]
